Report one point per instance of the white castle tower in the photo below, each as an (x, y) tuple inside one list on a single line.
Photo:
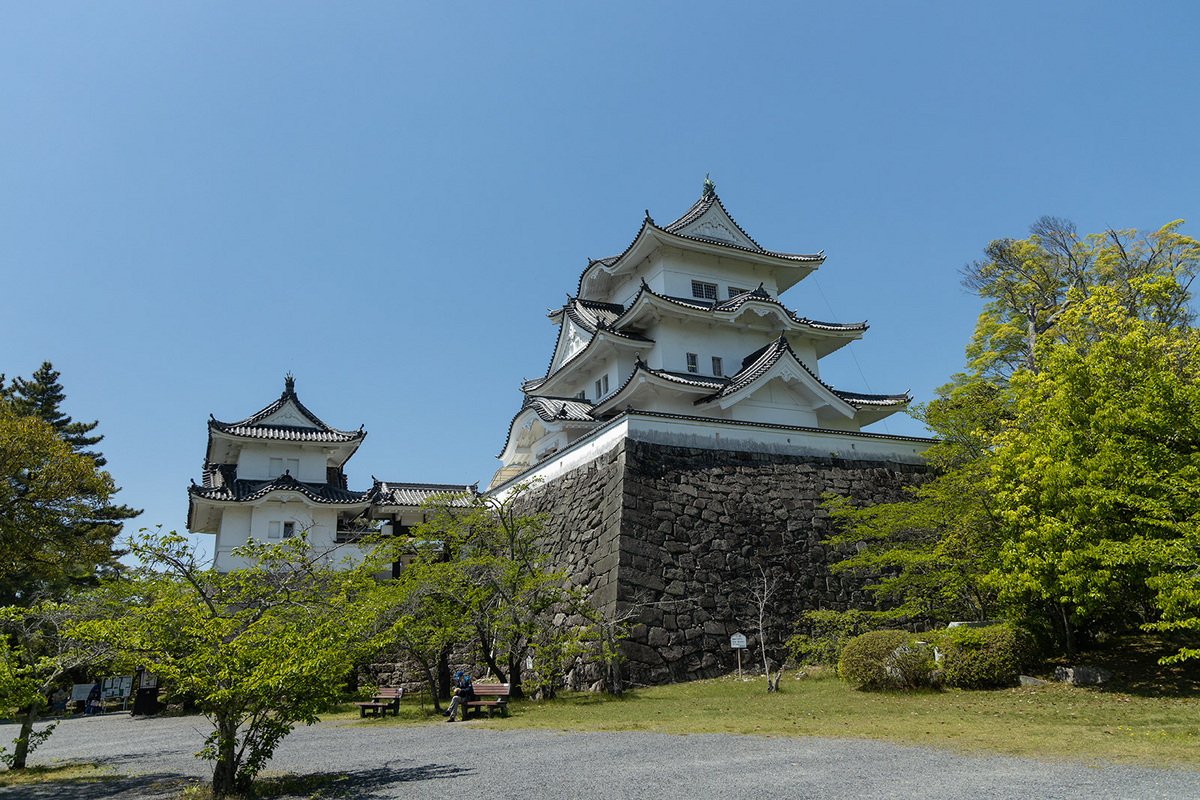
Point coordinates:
[(682, 339)]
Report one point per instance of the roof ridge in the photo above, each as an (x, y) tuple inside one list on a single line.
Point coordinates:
[(289, 393)]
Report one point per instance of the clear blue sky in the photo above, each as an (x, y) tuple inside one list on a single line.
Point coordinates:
[(384, 198)]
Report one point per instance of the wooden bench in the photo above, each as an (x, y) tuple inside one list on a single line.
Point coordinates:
[(490, 696), (386, 697)]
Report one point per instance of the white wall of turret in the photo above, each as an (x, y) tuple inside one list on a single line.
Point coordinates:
[(671, 272), (261, 462), (272, 521)]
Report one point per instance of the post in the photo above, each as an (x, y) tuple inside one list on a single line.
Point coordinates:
[(738, 642)]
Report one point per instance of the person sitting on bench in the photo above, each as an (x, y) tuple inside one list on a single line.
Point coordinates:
[(464, 693)]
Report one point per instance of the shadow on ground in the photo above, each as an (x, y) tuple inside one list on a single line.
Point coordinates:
[(356, 785), (120, 787), (1133, 659)]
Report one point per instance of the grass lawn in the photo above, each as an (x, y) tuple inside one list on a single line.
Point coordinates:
[(1148, 715), (1052, 721), (72, 774)]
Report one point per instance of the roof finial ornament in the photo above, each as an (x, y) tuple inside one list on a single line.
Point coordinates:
[(289, 383), (710, 189)]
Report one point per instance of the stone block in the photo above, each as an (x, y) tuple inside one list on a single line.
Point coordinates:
[(658, 637), (1083, 675)]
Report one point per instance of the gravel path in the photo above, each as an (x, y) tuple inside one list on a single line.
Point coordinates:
[(469, 761)]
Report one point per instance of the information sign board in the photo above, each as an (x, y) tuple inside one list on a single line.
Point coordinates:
[(116, 688), (738, 641)]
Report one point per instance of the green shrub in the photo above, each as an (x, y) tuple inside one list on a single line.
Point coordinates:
[(980, 658), (829, 631), (879, 659), (910, 665)]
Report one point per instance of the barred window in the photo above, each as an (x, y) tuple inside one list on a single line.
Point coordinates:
[(705, 291), (693, 362)]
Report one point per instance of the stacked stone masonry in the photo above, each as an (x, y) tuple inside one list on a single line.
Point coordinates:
[(680, 534)]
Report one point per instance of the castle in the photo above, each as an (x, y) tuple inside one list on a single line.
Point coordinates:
[(682, 436)]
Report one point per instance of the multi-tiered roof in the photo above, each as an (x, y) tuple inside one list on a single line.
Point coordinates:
[(687, 320), (286, 456)]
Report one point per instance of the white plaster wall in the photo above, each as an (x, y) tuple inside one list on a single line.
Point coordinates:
[(716, 435), (254, 461), (673, 341), (235, 527), (679, 269), (239, 524), (775, 405)]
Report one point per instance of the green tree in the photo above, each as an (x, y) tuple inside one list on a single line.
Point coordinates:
[(40, 646), (41, 396), (261, 648), (1026, 285), (48, 493), (517, 604), (1097, 478), (425, 612), (932, 554), (1078, 372)]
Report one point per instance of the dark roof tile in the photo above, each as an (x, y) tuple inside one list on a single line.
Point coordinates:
[(253, 427), (241, 491)]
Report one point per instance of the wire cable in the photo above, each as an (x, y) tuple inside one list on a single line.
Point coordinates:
[(849, 345)]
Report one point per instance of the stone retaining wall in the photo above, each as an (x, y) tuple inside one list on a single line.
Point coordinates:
[(680, 534)]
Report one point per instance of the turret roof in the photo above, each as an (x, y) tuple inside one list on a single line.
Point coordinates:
[(736, 302), (389, 493), (551, 409), (254, 426), (242, 491), (706, 202)]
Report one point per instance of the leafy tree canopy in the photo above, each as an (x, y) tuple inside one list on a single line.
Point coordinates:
[(1028, 283), (479, 567), (261, 648), (46, 492), (1096, 481), (93, 533), (1067, 466)]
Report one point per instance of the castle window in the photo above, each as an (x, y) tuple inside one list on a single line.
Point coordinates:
[(734, 292), (582, 395), (602, 387), (717, 366), (705, 291), (273, 528), (693, 362)]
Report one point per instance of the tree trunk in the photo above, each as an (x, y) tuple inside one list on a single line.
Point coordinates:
[(433, 686), (1068, 634), (443, 673), (514, 677), (225, 770), (21, 753), (485, 649)]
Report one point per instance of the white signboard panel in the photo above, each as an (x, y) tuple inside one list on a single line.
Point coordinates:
[(738, 641)]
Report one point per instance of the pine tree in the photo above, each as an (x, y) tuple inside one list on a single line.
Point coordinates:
[(41, 395)]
